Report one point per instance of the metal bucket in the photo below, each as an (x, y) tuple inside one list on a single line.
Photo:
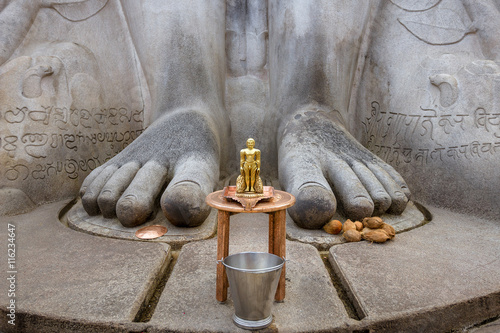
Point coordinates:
[(253, 279)]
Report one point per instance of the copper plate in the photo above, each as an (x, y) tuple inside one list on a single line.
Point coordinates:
[(151, 232), (250, 200)]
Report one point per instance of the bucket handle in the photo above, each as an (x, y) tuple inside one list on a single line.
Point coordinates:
[(221, 260)]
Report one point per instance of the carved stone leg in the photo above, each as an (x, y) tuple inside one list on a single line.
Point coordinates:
[(189, 115), (222, 252), (316, 164)]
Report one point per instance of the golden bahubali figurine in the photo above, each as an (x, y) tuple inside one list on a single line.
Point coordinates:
[(249, 182), (249, 189)]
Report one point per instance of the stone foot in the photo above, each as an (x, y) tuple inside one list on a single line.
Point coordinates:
[(179, 149), (323, 166)]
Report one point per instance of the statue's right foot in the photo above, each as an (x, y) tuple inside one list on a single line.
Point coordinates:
[(180, 150)]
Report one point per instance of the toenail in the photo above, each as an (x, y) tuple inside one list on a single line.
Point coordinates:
[(187, 182), (361, 201), (311, 184), (131, 197), (382, 196), (399, 195), (89, 194)]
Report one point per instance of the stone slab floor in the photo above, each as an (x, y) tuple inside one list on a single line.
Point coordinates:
[(441, 277)]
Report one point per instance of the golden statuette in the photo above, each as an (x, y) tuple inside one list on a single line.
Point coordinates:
[(249, 182), (249, 189)]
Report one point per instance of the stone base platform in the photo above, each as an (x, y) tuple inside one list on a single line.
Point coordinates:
[(441, 277), (414, 216), (76, 218), (69, 281)]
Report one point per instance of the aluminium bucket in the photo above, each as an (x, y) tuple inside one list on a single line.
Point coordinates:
[(253, 279)]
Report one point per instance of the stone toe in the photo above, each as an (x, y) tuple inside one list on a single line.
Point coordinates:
[(314, 207), (184, 204)]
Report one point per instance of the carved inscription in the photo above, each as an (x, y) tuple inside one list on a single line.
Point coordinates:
[(431, 136), (63, 118), (488, 121), (37, 144), (70, 168), (397, 155)]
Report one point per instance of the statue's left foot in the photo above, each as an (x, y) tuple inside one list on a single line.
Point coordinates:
[(322, 165)]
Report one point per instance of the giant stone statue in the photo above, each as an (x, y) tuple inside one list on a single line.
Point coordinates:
[(151, 98)]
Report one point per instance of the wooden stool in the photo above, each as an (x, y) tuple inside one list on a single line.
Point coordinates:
[(276, 208)]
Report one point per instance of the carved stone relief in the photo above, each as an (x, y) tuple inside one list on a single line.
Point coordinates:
[(430, 103), (68, 104)]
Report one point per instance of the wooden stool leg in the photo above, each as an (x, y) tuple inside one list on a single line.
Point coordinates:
[(271, 233), (279, 247), (222, 252)]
